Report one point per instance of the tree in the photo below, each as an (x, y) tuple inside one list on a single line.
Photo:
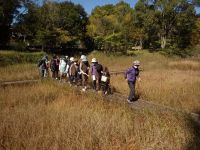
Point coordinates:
[(166, 22), (111, 25), (8, 11), (53, 24), (195, 38)]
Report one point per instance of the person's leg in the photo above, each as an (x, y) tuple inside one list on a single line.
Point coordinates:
[(94, 84), (41, 73), (46, 74), (56, 74), (61, 76), (131, 96), (103, 85), (71, 79), (98, 82), (53, 74), (84, 81)]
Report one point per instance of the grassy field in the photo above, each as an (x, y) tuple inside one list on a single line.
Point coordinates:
[(52, 116), (168, 81), (49, 115)]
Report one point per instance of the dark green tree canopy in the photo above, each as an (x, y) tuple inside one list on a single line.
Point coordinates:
[(53, 23)]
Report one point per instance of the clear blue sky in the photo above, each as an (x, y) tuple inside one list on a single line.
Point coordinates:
[(91, 4)]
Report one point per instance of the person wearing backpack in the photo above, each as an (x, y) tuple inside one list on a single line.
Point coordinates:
[(96, 72), (84, 70), (54, 66), (131, 75), (62, 67), (73, 71), (43, 66), (105, 81)]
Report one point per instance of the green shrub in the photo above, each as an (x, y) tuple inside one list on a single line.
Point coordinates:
[(13, 57)]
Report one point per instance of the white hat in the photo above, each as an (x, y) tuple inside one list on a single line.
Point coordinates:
[(136, 63), (94, 60), (66, 57), (71, 59), (83, 57)]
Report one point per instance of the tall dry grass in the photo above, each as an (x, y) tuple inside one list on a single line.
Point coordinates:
[(53, 116), (19, 72), (173, 82), (168, 81)]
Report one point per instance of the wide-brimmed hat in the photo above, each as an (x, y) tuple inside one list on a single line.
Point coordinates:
[(71, 59), (83, 57), (136, 63), (94, 60)]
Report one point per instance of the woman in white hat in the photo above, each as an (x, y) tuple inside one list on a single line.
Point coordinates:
[(131, 76), (84, 70), (73, 70)]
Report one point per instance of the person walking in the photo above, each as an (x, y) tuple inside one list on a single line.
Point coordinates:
[(43, 66), (73, 70), (62, 67), (54, 66), (131, 75), (105, 81), (84, 70), (96, 72)]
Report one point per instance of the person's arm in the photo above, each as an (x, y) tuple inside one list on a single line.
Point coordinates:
[(80, 66), (125, 74), (90, 70)]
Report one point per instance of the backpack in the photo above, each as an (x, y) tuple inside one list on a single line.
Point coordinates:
[(53, 65), (99, 68), (40, 62), (84, 66)]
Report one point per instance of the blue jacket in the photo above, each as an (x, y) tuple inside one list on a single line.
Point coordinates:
[(131, 74)]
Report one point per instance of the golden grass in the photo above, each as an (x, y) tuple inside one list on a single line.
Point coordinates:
[(52, 116), (19, 72), (178, 89), (172, 82), (167, 81), (185, 65), (49, 115)]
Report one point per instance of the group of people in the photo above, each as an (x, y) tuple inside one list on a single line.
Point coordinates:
[(76, 72)]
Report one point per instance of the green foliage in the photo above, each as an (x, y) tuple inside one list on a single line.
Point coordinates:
[(19, 46), (13, 57), (8, 11), (151, 24), (53, 24)]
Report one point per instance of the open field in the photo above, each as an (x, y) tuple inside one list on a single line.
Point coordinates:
[(49, 115), (52, 116), (168, 81), (173, 82)]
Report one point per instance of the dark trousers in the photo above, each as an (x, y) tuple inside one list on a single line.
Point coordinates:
[(105, 87), (42, 73), (54, 74), (131, 85), (97, 84), (72, 79)]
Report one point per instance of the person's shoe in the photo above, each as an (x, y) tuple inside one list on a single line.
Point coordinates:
[(129, 101), (83, 89)]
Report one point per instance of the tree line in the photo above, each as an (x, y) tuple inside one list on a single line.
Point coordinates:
[(151, 24)]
